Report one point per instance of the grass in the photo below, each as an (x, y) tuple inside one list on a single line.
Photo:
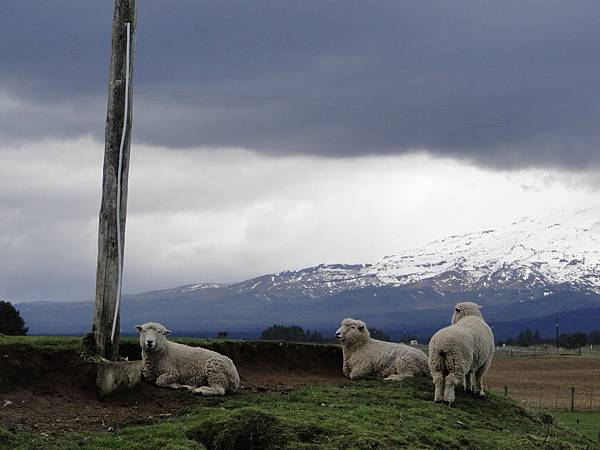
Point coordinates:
[(363, 415), (76, 343), (586, 423), (44, 342)]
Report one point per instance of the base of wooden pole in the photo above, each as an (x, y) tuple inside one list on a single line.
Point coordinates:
[(113, 376)]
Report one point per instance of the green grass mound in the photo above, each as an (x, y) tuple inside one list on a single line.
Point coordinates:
[(245, 430), (363, 415)]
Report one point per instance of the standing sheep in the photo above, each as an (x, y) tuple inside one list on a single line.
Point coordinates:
[(461, 353), (367, 357), (179, 366)]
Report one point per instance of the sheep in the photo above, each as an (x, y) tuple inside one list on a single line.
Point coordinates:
[(461, 353), (177, 366), (366, 357)]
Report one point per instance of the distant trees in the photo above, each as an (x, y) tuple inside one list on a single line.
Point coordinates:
[(594, 337), (379, 335), (527, 337), (11, 322), (573, 340), (293, 333)]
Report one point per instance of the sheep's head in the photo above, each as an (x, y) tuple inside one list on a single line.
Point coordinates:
[(352, 332), (153, 336), (465, 309)]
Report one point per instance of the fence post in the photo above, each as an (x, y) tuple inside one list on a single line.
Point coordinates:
[(591, 397), (572, 399), (506, 391)]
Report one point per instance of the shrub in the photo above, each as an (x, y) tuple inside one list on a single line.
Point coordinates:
[(11, 322)]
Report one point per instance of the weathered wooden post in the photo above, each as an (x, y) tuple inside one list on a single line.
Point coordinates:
[(113, 210)]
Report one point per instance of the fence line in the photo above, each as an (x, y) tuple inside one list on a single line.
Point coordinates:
[(571, 398), (547, 350)]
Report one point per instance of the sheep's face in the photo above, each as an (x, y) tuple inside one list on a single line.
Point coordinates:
[(465, 309), (153, 336), (352, 331)]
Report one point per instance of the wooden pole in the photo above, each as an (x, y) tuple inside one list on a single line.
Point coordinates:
[(116, 155)]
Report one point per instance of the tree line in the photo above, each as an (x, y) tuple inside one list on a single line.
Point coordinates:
[(295, 333), (527, 338)]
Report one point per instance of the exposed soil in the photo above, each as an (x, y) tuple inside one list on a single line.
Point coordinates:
[(53, 391), (546, 381)]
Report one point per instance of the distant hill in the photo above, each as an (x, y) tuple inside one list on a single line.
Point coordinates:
[(522, 273)]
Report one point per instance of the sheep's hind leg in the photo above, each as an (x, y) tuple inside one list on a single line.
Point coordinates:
[(209, 390), (452, 380), (216, 379), (438, 381), (470, 382), (396, 377), (478, 380)]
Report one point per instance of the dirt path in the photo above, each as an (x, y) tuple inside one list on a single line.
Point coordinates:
[(53, 391)]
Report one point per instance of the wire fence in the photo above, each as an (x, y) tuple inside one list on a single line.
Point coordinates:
[(553, 398), (547, 350)]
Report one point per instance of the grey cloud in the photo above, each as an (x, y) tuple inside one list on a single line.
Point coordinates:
[(506, 84)]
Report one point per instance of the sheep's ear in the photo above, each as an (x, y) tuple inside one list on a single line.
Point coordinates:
[(167, 332), (139, 328)]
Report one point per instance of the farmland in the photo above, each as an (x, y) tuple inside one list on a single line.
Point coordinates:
[(546, 381)]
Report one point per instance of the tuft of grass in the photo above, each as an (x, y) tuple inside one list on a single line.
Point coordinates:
[(584, 422), (6, 438), (246, 429), (362, 415)]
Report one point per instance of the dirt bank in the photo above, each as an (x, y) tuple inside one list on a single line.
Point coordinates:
[(53, 391)]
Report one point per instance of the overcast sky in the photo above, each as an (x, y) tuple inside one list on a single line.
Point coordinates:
[(272, 135)]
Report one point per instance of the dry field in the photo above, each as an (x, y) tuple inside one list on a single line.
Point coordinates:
[(546, 381)]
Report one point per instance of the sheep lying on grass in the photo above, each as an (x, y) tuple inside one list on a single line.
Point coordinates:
[(179, 366), (461, 353), (366, 357)]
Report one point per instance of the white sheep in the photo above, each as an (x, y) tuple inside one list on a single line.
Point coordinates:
[(367, 357), (177, 366), (461, 353)]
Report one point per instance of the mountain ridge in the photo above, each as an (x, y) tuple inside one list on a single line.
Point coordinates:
[(552, 263)]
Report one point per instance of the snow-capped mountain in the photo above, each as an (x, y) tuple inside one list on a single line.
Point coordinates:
[(561, 249), (558, 249), (528, 269)]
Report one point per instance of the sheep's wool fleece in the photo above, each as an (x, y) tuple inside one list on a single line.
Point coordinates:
[(368, 357), (466, 346), (193, 366)]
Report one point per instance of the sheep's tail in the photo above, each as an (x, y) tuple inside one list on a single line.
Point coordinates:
[(446, 359), (437, 360)]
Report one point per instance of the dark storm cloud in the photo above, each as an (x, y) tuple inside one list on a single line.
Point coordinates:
[(503, 84)]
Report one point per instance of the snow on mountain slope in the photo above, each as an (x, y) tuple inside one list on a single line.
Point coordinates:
[(561, 248), (534, 255), (531, 254), (312, 282)]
